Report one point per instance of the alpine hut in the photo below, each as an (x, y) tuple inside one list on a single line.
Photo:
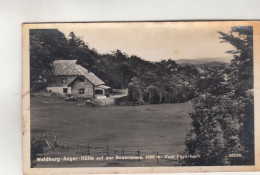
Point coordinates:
[(71, 78)]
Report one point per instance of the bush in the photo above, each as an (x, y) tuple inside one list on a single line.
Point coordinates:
[(122, 101), (37, 147)]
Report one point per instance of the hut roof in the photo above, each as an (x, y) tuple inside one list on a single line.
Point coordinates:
[(70, 67)]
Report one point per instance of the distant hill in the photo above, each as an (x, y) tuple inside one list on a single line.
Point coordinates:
[(199, 62), (204, 61)]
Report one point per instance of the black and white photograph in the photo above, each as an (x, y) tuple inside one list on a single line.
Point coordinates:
[(140, 94)]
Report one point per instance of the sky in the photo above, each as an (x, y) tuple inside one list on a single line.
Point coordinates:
[(154, 41)]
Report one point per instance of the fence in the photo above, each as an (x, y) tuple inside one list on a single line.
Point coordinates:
[(95, 150)]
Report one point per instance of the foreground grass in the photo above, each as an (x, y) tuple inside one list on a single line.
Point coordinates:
[(150, 128)]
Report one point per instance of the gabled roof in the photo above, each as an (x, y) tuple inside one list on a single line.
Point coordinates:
[(70, 67)]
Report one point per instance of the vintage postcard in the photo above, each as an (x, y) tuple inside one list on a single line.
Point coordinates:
[(141, 97)]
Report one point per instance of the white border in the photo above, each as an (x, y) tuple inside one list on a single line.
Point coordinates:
[(15, 12)]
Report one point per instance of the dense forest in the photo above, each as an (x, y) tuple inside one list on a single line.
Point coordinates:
[(147, 82)]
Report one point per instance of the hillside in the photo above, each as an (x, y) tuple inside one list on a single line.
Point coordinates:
[(200, 63), (204, 61)]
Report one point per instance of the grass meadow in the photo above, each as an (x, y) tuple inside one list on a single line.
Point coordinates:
[(149, 128)]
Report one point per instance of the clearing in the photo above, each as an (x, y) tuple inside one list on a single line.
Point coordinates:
[(149, 128)]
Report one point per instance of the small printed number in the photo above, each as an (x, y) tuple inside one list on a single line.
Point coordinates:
[(234, 155)]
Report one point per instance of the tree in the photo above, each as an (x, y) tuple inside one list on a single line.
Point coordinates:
[(222, 116), (135, 92), (45, 46)]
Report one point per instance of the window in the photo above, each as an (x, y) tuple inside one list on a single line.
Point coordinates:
[(65, 90), (99, 92), (81, 79), (64, 80), (81, 91)]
